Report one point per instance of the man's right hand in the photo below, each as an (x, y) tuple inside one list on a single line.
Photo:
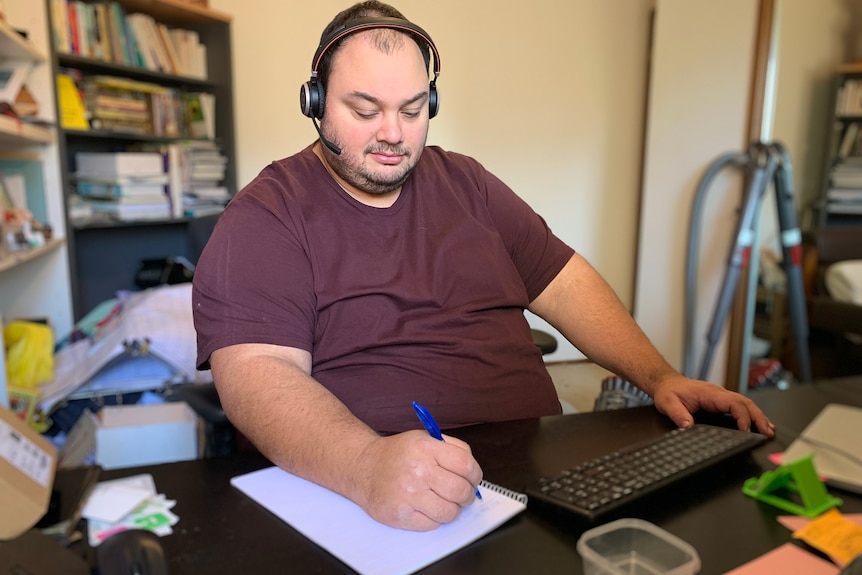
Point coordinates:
[(413, 481)]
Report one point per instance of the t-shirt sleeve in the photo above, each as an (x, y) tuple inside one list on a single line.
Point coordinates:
[(255, 245), (537, 253)]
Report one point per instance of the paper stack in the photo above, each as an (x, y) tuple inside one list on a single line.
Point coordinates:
[(128, 503)]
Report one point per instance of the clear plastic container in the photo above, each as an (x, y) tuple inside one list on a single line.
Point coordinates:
[(636, 547)]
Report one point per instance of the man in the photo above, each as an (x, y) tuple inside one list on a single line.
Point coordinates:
[(369, 270)]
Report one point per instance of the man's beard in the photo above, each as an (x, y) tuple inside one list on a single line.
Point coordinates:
[(354, 171)]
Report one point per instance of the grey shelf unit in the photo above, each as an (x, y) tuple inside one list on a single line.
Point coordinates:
[(104, 258), (823, 215)]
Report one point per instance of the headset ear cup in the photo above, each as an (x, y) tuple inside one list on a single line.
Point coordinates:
[(320, 100), (433, 100), (311, 99)]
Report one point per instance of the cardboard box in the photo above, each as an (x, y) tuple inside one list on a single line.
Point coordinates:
[(27, 466), (131, 435)]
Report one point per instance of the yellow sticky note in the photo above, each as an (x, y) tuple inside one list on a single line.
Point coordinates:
[(835, 535)]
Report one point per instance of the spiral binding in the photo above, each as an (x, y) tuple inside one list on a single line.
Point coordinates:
[(511, 494)]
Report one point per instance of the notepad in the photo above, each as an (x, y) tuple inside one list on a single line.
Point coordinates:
[(833, 438), (341, 527)]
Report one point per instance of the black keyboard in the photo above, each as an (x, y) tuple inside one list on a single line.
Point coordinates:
[(603, 484)]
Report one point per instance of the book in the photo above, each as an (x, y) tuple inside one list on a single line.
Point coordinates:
[(848, 143), (131, 212), (73, 115), (343, 529), (114, 203), (128, 192), (200, 115), (118, 164)]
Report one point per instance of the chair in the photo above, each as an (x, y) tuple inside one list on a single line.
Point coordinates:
[(544, 341)]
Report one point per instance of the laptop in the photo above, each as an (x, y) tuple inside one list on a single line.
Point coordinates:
[(833, 438)]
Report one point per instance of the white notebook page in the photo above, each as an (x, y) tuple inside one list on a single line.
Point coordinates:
[(345, 530)]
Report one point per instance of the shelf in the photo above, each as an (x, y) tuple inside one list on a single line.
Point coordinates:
[(17, 258), (134, 72), (82, 226), (93, 242), (127, 136), (14, 47), (850, 68), (176, 12), (14, 133)]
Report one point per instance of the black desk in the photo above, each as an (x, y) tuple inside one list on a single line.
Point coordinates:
[(223, 531)]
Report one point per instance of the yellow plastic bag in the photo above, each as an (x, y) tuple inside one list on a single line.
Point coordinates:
[(29, 354)]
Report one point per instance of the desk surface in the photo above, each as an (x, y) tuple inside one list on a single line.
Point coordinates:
[(223, 531)]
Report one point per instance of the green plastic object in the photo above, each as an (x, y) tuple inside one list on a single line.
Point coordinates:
[(793, 487)]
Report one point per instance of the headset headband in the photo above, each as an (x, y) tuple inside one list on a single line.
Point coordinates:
[(369, 24)]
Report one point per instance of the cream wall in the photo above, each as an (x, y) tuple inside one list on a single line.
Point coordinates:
[(550, 99), (804, 89), (699, 100)]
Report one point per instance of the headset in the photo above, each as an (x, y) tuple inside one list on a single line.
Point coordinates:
[(312, 95)]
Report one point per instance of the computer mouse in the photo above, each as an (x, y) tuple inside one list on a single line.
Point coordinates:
[(131, 552)]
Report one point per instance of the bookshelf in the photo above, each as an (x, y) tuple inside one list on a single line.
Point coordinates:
[(105, 256), (840, 200), (33, 280)]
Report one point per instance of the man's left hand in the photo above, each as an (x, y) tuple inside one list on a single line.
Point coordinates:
[(679, 397)]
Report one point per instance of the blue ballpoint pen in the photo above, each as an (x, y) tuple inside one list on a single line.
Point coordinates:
[(432, 428)]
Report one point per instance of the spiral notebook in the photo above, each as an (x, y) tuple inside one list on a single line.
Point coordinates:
[(341, 527)]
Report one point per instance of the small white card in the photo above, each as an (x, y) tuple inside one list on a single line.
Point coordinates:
[(110, 501)]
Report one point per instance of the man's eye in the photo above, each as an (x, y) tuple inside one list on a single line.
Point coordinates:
[(366, 115), (411, 113)]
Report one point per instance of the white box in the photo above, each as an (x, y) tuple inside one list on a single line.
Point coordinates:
[(130, 435), (97, 165)]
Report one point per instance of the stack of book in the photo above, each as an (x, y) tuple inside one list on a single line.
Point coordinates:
[(123, 186), (196, 174), (203, 173), (845, 192)]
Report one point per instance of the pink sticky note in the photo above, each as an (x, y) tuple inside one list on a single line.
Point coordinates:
[(787, 560)]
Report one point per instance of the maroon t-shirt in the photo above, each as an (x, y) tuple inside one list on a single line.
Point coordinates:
[(421, 301)]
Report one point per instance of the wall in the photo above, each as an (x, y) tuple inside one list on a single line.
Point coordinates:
[(551, 100), (698, 107), (804, 89)]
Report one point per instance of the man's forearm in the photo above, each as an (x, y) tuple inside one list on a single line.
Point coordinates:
[(293, 420), (581, 304)]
